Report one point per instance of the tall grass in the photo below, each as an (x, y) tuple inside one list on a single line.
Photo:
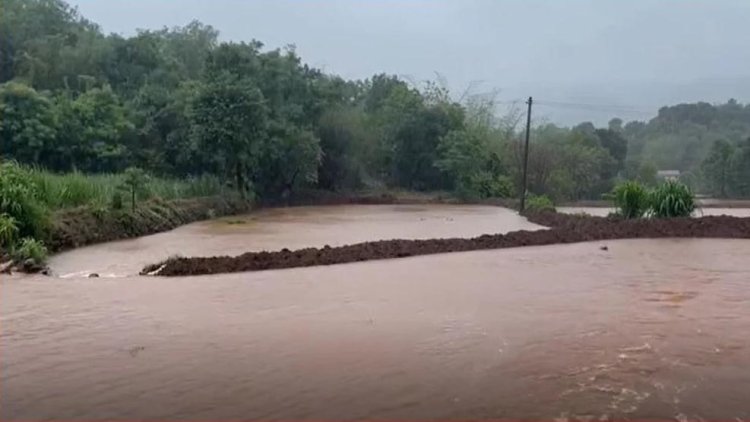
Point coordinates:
[(27, 195), (68, 190), (20, 201)]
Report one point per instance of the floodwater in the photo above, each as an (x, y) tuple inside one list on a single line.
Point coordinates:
[(648, 329)]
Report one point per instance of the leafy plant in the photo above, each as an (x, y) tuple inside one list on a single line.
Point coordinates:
[(30, 248), (672, 199), (631, 199), (19, 199), (8, 231), (116, 201), (135, 183), (539, 203)]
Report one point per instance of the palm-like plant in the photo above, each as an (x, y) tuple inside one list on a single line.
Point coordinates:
[(672, 199), (631, 199)]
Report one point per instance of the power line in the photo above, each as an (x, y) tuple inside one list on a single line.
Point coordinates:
[(610, 108)]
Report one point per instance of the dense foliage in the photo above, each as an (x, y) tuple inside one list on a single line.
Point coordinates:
[(179, 103), (672, 199), (539, 203), (631, 199), (30, 249), (21, 202), (29, 195)]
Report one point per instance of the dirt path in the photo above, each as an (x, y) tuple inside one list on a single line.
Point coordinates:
[(563, 229)]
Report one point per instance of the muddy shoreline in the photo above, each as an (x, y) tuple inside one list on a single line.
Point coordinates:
[(82, 226), (563, 229), (72, 228)]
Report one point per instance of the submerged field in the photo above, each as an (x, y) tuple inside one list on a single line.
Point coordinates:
[(563, 228), (650, 328)]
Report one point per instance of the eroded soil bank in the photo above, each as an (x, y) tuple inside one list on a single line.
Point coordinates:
[(563, 229), (85, 226)]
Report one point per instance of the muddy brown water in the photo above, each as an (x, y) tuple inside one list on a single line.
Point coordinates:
[(653, 329)]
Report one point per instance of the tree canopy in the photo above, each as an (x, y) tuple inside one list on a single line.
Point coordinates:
[(178, 102)]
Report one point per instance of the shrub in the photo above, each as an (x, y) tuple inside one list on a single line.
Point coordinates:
[(8, 231), (493, 186), (30, 249), (631, 199), (19, 199), (539, 203), (116, 201), (483, 185), (672, 199), (135, 183)]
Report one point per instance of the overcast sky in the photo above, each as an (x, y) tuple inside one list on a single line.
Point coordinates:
[(624, 57)]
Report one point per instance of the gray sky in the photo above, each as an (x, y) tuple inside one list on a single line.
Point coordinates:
[(618, 55)]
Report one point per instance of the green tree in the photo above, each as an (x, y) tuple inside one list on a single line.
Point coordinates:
[(647, 174), (741, 169), (470, 158), (290, 157), (344, 144), (93, 128), (615, 144), (135, 182), (28, 127), (717, 166), (229, 122)]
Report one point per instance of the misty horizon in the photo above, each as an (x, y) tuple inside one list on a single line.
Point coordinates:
[(614, 59)]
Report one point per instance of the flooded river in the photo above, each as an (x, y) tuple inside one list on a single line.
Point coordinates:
[(648, 329)]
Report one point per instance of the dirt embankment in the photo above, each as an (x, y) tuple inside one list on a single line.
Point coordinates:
[(82, 226), (563, 229), (85, 225), (384, 197)]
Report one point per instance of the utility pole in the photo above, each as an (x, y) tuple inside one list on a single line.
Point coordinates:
[(526, 156)]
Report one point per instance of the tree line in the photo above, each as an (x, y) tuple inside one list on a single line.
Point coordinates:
[(177, 102)]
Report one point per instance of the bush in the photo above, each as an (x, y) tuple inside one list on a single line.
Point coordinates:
[(135, 183), (539, 203), (484, 185), (494, 186), (116, 201), (672, 199), (631, 199), (30, 249), (20, 200), (8, 231)]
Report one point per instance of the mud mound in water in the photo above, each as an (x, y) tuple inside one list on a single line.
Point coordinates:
[(563, 229)]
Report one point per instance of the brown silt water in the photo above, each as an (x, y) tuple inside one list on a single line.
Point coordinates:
[(647, 329)]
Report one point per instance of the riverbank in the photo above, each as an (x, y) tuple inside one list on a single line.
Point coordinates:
[(563, 229), (700, 203), (83, 226), (87, 225)]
